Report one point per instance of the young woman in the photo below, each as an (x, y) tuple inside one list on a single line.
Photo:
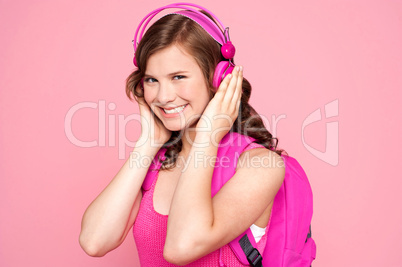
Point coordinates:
[(185, 119)]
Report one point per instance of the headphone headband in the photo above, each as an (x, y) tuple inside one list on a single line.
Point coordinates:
[(219, 33), (215, 29)]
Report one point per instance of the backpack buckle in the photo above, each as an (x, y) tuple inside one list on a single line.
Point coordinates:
[(255, 258)]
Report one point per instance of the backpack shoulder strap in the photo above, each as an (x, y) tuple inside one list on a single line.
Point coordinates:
[(245, 249), (230, 149)]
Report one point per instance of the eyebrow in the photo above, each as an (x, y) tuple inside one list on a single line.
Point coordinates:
[(170, 74)]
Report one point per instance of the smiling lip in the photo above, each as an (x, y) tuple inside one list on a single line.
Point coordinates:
[(172, 115)]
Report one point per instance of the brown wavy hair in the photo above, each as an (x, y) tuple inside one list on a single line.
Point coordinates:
[(179, 30)]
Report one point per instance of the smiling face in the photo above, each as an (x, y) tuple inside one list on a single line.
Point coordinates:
[(175, 88)]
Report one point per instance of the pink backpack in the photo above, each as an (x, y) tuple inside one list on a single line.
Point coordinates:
[(289, 242)]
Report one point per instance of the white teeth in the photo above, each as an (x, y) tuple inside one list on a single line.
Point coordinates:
[(175, 110)]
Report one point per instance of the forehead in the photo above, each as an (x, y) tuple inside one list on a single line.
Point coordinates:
[(171, 59)]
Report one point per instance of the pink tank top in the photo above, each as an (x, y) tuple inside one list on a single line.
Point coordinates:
[(150, 230)]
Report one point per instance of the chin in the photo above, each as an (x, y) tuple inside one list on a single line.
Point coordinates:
[(177, 127), (174, 126)]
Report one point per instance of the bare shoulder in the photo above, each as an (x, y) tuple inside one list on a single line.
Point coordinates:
[(260, 157), (262, 162)]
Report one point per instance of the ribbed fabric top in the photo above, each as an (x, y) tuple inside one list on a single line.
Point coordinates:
[(150, 229)]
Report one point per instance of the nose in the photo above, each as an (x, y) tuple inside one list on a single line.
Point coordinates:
[(166, 93)]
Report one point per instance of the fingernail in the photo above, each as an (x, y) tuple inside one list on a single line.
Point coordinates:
[(237, 68), (241, 68)]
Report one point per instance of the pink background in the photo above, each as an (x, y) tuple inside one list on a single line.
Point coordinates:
[(299, 57)]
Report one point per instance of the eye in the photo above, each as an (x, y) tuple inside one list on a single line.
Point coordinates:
[(179, 77), (150, 80)]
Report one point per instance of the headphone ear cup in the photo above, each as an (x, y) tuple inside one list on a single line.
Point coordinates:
[(222, 69)]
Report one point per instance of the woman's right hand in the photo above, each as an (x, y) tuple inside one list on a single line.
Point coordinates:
[(153, 132), (109, 218)]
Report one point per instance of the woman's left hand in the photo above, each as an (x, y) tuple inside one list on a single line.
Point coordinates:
[(222, 111)]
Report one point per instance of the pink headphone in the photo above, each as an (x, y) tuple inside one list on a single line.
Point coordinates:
[(219, 33)]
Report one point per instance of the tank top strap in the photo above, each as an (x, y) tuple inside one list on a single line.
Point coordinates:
[(154, 169)]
